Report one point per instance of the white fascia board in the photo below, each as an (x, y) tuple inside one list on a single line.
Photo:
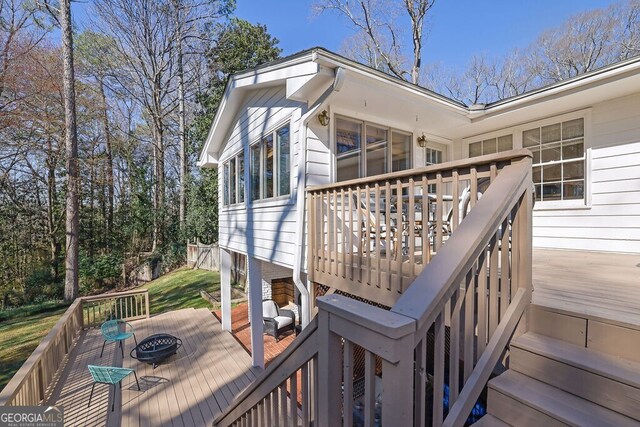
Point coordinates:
[(298, 87), (613, 72), (207, 161), (269, 77)]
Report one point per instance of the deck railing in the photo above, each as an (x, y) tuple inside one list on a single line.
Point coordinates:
[(450, 327), (372, 237), (447, 331), (128, 305), (33, 381), (284, 394)]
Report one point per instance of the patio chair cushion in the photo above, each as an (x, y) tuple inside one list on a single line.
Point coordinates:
[(283, 321), (270, 309)]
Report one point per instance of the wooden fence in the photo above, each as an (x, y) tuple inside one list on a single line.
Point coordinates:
[(206, 257), (31, 384)]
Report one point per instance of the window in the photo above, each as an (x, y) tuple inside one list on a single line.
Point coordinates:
[(234, 180), (558, 160), (379, 156), (270, 165), (490, 146), (432, 157)]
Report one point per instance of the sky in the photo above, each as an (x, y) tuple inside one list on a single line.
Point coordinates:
[(457, 29)]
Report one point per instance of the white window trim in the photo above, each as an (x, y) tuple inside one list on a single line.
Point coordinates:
[(274, 200), (517, 130), (364, 120), (236, 205), (434, 145)]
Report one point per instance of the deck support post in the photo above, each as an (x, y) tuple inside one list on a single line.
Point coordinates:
[(254, 267), (225, 288)]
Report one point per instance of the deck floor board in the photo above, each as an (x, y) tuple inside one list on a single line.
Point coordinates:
[(601, 285), (190, 388)]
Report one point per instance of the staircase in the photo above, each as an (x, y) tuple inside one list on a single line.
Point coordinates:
[(569, 369)]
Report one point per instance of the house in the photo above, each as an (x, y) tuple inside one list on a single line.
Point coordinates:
[(317, 118), (444, 260)]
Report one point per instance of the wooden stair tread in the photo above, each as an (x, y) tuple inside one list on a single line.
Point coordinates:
[(490, 421), (555, 403), (606, 365)]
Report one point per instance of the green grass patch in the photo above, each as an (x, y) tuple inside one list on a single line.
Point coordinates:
[(181, 289), (22, 329)]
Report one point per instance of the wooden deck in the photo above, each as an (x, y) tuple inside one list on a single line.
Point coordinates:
[(189, 389), (595, 284)]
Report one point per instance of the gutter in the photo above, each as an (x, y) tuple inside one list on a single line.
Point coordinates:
[(301, 194)]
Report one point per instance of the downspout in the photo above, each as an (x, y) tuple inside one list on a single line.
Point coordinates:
[(301, 204)]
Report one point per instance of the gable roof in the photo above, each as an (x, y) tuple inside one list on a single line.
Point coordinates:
[(318, 61)]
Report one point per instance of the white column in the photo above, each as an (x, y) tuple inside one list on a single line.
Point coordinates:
[(254, 267), (225, 288)]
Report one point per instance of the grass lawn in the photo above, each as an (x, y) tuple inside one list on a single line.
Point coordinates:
[(181, 289), (22, 329)]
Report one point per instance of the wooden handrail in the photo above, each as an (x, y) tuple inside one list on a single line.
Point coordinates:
[(30, 385), (502, 157), (439, 279), (15, 392), (478, 285), (115, 294), (285, 365), (372, 237)]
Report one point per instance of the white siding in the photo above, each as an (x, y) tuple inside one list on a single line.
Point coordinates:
[(612, 222), (267, 229)]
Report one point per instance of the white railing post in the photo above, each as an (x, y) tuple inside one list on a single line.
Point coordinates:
[(381, 334), (329, 373), (397, 385)]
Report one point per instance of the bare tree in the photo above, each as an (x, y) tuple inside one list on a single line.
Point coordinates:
[(143, 33), (71, 149), (379, 21)]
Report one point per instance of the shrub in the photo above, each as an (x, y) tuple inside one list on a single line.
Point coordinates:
[(99, 272), (40, 286)]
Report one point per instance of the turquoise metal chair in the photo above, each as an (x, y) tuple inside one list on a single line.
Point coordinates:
[(109, 375), (117, 331)]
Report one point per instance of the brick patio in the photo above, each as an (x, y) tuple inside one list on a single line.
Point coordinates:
[(240, 328)]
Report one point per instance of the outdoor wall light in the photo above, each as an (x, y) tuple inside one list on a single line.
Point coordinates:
[(422, 141), (323, 118)]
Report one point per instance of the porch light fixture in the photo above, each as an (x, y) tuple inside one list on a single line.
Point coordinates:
[(323, 118), (422, 141)]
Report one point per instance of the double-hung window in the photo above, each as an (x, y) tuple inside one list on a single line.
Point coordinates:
[(367, 149), (270, 165), (234, 180), (558, 159)]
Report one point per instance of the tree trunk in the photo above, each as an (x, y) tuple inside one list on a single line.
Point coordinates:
[(182, 127), (71, 148), (158, 191), (51, 222), (109, 165)]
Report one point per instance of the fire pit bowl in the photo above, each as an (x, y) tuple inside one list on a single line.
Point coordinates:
[(156, 348)]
